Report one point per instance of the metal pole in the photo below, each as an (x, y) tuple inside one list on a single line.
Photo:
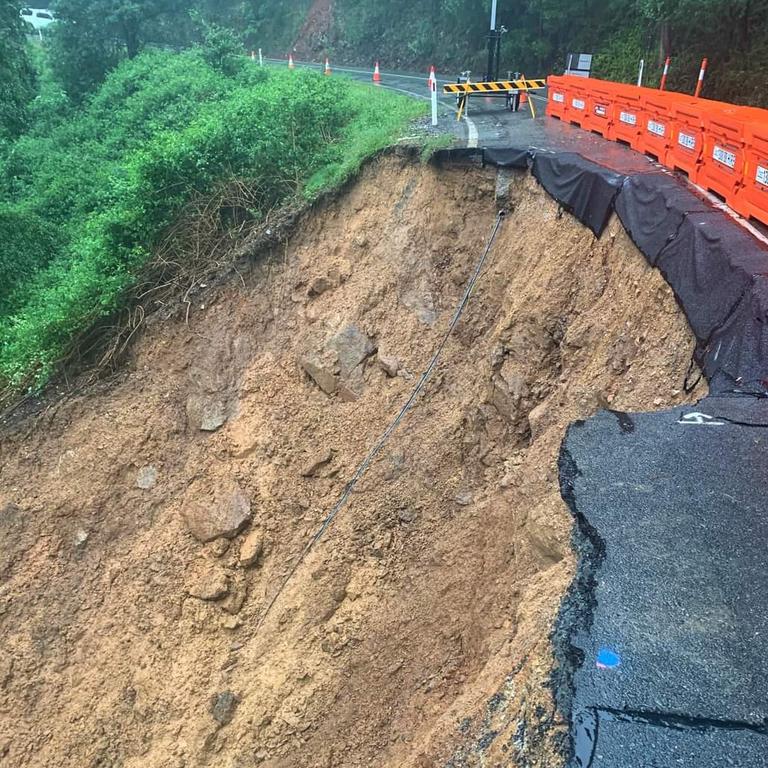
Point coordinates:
[(640, 73), (261, 59), (570, 59), (493, 16)]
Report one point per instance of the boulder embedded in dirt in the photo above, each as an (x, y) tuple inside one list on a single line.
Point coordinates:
[(208, 583), (322, 370), (390, 365), (146, 478), (352, 347), (316, 463), (206, 413), (251, 549), (319, 286), (212, 512), (223, 706)]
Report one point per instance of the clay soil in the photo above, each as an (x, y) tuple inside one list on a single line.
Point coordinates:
[(417, 631)]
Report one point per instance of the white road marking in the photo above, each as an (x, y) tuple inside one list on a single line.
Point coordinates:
[(473, 137)]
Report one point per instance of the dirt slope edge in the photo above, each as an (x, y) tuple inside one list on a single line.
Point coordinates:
[(416, 633)]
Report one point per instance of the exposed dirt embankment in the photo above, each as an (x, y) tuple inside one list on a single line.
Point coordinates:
[(146, 523)]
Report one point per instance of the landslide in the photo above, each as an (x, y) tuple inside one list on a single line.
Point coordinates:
[(147, 522)]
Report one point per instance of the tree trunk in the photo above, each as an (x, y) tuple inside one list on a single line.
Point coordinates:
[(665, 45)]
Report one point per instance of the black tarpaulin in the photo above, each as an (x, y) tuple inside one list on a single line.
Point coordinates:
[(736, 356), (507, 157), (651, 206), (709, 264), (583, 188)]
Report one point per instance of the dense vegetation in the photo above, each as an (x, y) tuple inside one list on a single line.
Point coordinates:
[(88, 189), (732, 33)]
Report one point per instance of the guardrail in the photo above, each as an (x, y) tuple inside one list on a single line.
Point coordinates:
[(720, 146)]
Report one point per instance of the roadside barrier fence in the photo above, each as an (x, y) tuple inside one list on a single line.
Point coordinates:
[(721, 147)]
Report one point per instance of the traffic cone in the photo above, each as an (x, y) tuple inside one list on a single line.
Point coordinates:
[(291, 65), (327, 70), (523, 94), (432, 81), (376, 74)]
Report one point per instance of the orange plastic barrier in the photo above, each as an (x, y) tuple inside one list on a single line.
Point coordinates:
[(557, 96), (722, 167), (752, 198), (578, 92), (600, 107), (657, 131), (627, 115), (687, 146), (721, 147)]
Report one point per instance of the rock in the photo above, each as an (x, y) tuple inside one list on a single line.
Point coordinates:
[(213, 512), (317, 463), (231, 622), (420, 300), (251, 548), (319, 286), (218, 547), (352, 387), (537, 419), (321, 371), (80, 538), (146, 478), (406, 515), (504, 178), (223, 706), (206, 413), (209, 584), (463, 498), (352, 347), (390, 365)]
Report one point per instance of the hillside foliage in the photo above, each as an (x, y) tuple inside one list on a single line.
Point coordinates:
[(87, 190)]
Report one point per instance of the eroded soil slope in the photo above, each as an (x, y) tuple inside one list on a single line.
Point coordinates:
[(416, 632)]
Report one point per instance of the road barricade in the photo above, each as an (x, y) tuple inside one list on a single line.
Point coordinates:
[(578, 91), (557, 96), (686, 149), (722, 166), (600, 107), (657, 133), (752, 197), (627, 115)]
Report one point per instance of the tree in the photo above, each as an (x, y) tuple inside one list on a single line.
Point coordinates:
[(17, 75), (91, 36)]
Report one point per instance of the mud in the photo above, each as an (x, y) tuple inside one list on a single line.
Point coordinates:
[(416, 632)]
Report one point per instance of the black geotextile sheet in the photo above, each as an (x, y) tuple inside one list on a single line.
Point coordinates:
[(651, 207), (507, 157), (582, 187)]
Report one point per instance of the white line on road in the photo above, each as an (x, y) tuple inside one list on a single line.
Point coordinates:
[(473, 137)]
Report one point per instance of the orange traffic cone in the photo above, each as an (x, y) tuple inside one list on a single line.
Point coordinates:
[(432, 80), (376, 74), (327, 70), (523, 94), (291, 65)]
